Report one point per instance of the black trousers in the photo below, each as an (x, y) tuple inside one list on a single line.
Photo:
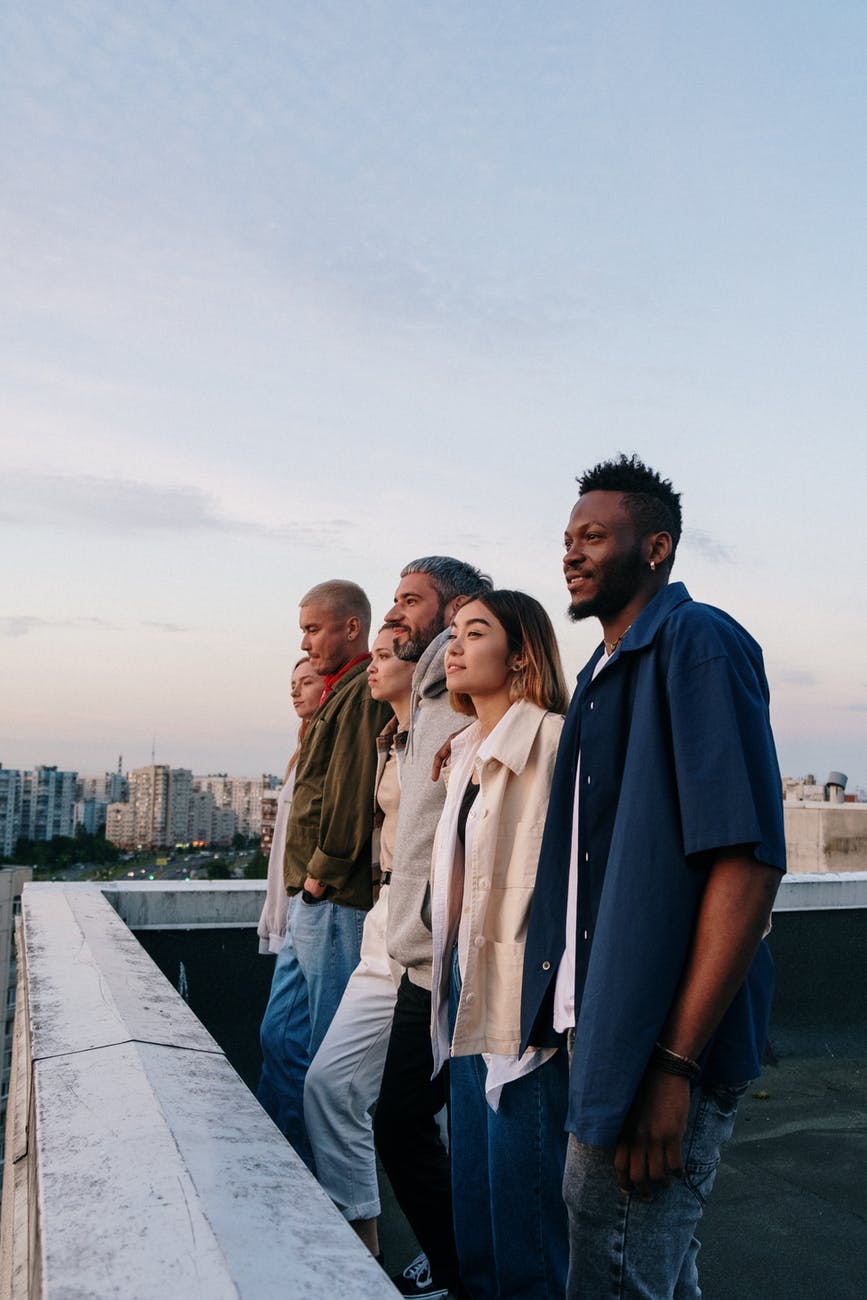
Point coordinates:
[(407, 1134)]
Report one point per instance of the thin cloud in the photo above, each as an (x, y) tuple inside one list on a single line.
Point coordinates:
[(118, 506), (795, 677), (16, 625), (160, 626), (23, 624), (696, 539)]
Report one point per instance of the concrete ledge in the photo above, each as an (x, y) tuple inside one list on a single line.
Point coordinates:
[(822, 891), (170, 905), (149, 1168)]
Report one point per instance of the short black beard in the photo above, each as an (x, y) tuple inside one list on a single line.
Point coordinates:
[(617, 587), (411, 650)]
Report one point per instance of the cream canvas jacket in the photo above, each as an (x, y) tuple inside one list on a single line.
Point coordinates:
[(515, 765)]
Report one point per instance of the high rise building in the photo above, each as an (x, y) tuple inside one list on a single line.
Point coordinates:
[(93, 794), (158, 811), (120, 825), (46, 804), (178, 806), (10, 809), (269, 819), (243, 794)]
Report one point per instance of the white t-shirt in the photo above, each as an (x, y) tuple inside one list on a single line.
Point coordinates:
[(564, 988)]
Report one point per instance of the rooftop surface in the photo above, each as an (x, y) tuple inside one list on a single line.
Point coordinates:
[(788, 1216), (787, 1219)]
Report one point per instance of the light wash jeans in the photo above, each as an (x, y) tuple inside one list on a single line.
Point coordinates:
[(343, 1080), (312, 969), (507, 1167), (625, 1248)]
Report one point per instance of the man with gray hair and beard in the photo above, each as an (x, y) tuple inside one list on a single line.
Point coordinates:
[(344, 1079), (406, 1130)]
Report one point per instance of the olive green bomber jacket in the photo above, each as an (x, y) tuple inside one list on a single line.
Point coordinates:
[(331, 819)]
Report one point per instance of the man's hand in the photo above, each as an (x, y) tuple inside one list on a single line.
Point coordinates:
[(650, 1148), (442, 756), (315, 887)]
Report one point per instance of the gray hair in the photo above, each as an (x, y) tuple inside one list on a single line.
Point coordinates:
[(449, 577), (341, 598)]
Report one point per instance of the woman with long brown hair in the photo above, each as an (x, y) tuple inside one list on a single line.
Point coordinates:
[(507, 1111)]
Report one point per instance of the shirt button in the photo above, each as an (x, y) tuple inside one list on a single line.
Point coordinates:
[(593, 704), (484, 883), (588, 780), (586, 857), (546, 965), (471, 997), (479, 941)]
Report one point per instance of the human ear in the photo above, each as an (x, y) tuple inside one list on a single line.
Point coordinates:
[(659, 549), (452, 608)]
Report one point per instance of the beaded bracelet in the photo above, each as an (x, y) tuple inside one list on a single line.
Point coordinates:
[(663, 1058)]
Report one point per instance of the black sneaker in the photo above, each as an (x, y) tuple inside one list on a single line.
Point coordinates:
[(415, 1280)]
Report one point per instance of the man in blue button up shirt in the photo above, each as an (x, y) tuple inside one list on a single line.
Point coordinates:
[(662, 853)]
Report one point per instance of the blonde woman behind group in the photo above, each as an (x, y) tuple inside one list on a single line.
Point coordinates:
[(508, 1142), (306, 692)]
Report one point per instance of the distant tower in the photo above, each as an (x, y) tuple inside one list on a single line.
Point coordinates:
[(120, 764), (835, 787), (153, 752)]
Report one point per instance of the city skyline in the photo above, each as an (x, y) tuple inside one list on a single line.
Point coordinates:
[(289, 301)]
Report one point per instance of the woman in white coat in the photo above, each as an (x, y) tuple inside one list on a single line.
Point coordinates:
[(280, 1071), (306, 692), (507, 1112)]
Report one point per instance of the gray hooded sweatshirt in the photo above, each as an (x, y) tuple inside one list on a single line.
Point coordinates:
[(432, 721)]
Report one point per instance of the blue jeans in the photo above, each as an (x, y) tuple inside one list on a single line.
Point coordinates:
[(323, 942), (624, 1248), (507, 1168)]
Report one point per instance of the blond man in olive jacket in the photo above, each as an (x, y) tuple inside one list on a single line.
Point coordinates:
[(327, 866)]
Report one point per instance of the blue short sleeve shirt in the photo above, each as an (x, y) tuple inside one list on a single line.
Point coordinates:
[(677, 762)]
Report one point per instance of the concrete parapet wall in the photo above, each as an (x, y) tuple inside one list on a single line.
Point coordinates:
[(140, 1165), (826, 837), (818, 941), (821, 891), (187, 904)]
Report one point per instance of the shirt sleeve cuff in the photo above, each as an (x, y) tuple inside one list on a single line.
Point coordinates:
[(333, 872)]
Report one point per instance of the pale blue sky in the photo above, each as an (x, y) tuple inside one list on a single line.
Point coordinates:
[(301, 290)]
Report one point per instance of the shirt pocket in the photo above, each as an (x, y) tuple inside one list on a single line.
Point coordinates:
[(506, 915), (516, 855), (504, 965)]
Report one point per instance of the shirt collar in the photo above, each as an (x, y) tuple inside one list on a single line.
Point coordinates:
[(390, 735), (654, 614), (331, 679), (511, 740), (642, 632)]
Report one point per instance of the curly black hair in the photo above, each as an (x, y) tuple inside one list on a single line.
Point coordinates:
[(650, 500)]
